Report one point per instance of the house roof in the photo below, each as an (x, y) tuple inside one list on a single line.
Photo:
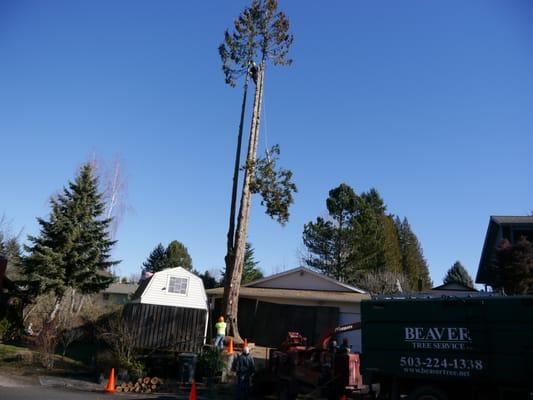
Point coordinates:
[(314, 295), (506, 219), (453, 287), (495, 232), (346, 287), (121, 288)]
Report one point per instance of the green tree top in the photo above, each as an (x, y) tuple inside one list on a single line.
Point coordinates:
[(178, 256), (175, 255), (73, 247), (157, 260), (458, 274)]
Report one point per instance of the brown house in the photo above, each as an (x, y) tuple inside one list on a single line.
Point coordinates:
[(501, 227)]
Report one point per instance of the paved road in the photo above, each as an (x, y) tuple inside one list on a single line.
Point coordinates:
[(43, 393)]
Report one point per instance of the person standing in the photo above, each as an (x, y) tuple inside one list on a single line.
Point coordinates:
[(220, 328), (244, 367)]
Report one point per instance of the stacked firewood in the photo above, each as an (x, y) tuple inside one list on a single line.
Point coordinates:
[(143, 385)]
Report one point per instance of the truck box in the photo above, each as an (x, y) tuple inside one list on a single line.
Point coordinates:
[(485, 341)]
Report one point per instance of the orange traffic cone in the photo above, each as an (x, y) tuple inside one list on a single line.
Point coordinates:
[(245, 344), (230, 346), (111, 382), (192, 394)]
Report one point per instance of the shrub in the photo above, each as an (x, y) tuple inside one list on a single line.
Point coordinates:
[(210, 362)]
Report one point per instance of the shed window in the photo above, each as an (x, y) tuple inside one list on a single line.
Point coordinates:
[(177, 285)]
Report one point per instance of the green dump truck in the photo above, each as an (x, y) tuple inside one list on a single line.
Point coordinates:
[(449, 348)]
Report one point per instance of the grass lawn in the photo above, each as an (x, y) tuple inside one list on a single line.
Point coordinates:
[(21, 360)]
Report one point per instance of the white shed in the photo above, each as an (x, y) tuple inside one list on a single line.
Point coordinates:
[(169, 310)]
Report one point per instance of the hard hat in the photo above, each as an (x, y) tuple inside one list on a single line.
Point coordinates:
[(246, 350)]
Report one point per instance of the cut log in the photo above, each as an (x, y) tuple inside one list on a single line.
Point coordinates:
[(146, 380), (118, 389), (126, 389), (148, 391), (153, 387)]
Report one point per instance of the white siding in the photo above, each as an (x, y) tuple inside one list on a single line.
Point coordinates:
[(156, 292), (301, 280), (348, 315)]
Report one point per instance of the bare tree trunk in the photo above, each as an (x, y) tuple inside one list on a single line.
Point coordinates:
[(229, 259), (231, 289), (53, 314)]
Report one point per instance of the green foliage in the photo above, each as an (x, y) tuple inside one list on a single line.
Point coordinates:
[(514, 266), (458, 274), (73, 247), (210, 362), (157, 260), (274, 185), (208, 280), (5, 328), (358, 239), (260, 32), (178, 256), (175, 255), (250, 270), (413, 262)]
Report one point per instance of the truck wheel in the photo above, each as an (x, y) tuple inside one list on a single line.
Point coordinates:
[(427, 393)]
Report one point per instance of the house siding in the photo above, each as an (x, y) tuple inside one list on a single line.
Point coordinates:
[(156, 293)]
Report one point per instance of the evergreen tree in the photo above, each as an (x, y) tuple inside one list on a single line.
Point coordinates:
[(72, 250), (331, 242), (413, 262), (208, 280), (514, 267), (458, 274), (157, 260), (177, 255), (251, 271), (11, 251), (261, 34)]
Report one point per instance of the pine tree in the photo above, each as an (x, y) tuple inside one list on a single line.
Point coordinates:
[(458, 274), (261, 33), (157, 260), (413, 262), (251, 271), (177, 255), (72, 250), (330, 242)]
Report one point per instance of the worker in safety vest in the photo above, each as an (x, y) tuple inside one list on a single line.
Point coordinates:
[(220, 328)]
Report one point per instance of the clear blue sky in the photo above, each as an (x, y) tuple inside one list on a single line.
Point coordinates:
[(429, 102)]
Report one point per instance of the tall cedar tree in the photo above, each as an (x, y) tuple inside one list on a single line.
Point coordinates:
[(73, 248), (514, 266), (413, 262), (251, 270), (178, 256), (175, 255), (157, 260), (458, 274), (261, 35)]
